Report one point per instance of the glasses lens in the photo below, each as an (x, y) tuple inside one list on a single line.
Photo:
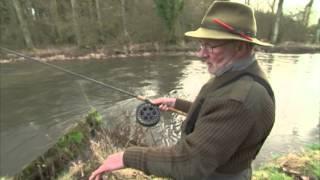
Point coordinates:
[(210, 46)]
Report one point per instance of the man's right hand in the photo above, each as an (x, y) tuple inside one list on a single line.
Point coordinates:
[(164, 103)]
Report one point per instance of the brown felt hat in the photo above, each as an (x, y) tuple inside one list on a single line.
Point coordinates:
[(230, 21)]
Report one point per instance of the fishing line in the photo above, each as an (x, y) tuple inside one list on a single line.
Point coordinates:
[(147, 114)]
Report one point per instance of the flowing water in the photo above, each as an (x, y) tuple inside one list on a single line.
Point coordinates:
[(39, 104)]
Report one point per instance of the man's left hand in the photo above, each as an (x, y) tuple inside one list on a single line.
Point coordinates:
[(113, 162)]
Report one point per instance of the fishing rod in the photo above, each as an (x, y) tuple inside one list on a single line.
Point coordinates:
[(147, 113)]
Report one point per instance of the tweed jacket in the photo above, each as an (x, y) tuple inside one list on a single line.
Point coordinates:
[(222, 133)]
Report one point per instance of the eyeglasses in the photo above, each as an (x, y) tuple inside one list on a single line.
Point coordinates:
[(209, 47)]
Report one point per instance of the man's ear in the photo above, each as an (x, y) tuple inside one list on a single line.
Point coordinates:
[(243, 46)]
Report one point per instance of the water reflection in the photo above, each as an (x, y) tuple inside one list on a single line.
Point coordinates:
[(194, 75), (39, 104), (296, 82)]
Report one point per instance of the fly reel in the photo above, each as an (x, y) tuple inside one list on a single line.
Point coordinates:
[(148, 114)]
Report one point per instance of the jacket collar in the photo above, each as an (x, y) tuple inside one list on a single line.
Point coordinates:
[(253, 69), (237, 65)]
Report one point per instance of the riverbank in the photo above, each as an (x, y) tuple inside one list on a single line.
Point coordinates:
[(78, 153), (141, 50), (304, 96), (303, 165)]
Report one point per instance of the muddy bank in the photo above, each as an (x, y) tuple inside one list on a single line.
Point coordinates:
[(86, 145), (141, 50), (292, 48), (76, 53), (303, 165)]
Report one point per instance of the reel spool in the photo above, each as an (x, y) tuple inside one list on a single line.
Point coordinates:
[(148, 114)]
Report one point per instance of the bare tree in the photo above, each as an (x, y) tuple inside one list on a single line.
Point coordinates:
[(276, 26), (75, 22), (317, 35), (124, 19), (307, 12), (98, 11), (91, 9), (272, 5), (55, 19), (127, 38), (23, 24)]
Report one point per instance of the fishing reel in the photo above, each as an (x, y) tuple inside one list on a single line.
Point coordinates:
[(148, 114)]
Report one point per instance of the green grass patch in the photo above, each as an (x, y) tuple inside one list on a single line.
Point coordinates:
[(270, 173), (314, 146), (302, 165)]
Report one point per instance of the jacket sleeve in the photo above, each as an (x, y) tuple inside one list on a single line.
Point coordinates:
[(218, 132), (183, 105)]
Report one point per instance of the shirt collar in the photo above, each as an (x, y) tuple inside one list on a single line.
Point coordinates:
[(237, 65)]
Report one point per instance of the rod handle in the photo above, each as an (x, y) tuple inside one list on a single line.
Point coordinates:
[(170, 108), (177, 111), (141, 98)]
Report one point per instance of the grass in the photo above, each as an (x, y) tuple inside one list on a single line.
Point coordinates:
[(83, 149), (292, 166), (270, 173), (100, 145), (302, 165)]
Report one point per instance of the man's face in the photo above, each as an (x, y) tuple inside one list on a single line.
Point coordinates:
[(216, 53)]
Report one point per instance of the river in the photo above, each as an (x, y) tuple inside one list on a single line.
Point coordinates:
[(39, 104)]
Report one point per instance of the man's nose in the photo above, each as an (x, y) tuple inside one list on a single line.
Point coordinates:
[(202, 53)]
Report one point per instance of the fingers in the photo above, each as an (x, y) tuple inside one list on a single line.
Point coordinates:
[(157, 101), (166, 102), (163, 107), (98, 177), (96, 174), (93, 176)]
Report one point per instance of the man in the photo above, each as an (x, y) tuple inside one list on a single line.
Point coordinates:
[(232, 115)]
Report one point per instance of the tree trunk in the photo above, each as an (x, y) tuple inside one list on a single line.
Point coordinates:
[(272, 6), (124, 26), (28, 9), (247, 2), (306, 14), (124, 20), (276, 26), (317, 35), (75, 22), (91, 9), (23, 24), (55, 18), (99, 19)]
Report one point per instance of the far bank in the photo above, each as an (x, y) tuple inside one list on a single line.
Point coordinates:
[(139, 50)]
